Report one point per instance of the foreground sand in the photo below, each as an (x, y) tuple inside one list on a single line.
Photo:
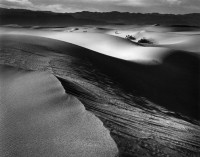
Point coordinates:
[(39, 119)]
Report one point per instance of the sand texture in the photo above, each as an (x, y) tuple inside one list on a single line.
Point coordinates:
[(39, 119), (147, 95)]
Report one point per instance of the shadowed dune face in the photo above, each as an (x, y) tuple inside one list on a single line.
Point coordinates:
[(39, 119), (173, 83)]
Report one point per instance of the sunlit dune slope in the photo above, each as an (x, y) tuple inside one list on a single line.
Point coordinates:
[(180, 41), (103, 43), (179, 38), (39, 119), (106, 41), (113, 46), (174, 83)]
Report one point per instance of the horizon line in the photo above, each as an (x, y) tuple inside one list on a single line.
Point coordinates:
[(99, 11)]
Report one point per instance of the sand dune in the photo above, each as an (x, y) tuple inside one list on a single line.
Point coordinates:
[(173, 40), (179, 38), (97, 90), (39, 119), (114, 45), (149, 107), (176, 76), (103, 43)]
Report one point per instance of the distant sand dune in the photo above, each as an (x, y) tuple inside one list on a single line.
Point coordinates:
[(174, 40), (103, 43), (118, 47), (39, 119), (179, 38)]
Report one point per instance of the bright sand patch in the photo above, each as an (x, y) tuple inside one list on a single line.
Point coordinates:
[(106, 41), (103, 43)]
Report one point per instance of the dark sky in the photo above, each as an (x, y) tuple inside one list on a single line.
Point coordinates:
[(143, 6)]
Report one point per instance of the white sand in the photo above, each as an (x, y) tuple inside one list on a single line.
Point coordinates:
[(106, 41), (103, 43), (37, 118)]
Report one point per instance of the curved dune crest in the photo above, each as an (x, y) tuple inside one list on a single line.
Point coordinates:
[(102, 43), (118, 47), (39, 119), (112, 46)]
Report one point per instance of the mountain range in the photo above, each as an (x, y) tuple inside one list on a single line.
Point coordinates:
[(46, 18)]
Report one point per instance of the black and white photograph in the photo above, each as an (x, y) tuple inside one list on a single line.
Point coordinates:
[(99, 78)]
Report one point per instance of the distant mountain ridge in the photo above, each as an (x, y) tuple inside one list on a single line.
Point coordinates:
[(139, 18), (46, 18), (24, 17)]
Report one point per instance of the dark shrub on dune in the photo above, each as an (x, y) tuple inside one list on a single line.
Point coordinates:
[(145, 41), (130, 37)]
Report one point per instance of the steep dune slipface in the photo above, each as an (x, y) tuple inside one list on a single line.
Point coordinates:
[(39, 119)]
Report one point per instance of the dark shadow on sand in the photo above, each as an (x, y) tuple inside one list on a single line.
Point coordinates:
[(173, 84)]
